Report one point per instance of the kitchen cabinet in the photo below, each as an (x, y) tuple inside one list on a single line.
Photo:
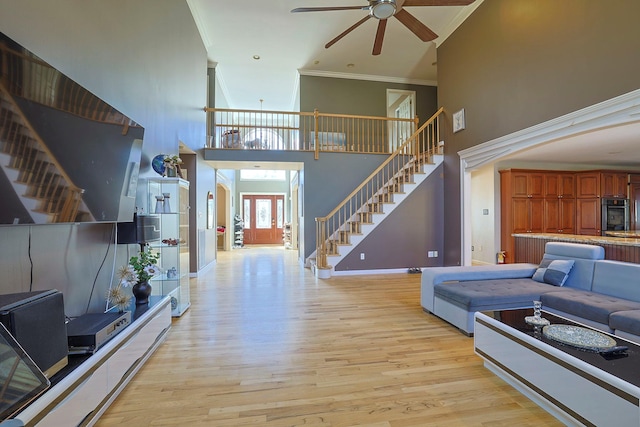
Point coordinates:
[(559, 185), (527, 184), (614, 185), (634, 201), (527, 215), (522, 206), (169, 198), (588, 216), (560, 215), (587, 185)]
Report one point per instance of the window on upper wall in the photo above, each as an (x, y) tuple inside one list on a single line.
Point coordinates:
[(262, 175)]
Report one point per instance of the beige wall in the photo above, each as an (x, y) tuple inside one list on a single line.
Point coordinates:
[(516, 63)]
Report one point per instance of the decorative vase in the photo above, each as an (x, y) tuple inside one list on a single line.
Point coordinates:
[(171, 172), (141, 291), (159, 204), (166, 208)]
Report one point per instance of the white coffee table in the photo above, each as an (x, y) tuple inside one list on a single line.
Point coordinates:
[(578, 387)]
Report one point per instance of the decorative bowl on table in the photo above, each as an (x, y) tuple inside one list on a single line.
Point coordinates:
[(579, 337)]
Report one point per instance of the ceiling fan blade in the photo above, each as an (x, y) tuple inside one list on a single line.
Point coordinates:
[(324, 9), (347, 31), (437, 2), (418, 28), (377, 44)]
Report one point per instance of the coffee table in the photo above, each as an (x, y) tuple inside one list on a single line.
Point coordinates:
[(576, 386)]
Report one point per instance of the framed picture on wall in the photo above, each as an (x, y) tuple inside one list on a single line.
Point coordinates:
[(458, 121), (210, 207)]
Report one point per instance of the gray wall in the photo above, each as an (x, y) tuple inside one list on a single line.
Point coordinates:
[(404, 238), (360, 97), (515, 63), (145, 58)]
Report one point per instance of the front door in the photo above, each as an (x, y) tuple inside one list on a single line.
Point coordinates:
[(263, 218)]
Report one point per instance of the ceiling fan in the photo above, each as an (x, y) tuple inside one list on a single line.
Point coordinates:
[(385, 9)]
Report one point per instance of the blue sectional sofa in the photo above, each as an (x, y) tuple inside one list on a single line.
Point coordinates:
[(597, 292)]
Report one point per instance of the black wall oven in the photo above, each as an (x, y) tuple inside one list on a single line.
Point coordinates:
[(615, 215)]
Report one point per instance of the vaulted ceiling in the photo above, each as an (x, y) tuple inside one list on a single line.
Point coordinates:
[(259, 47)]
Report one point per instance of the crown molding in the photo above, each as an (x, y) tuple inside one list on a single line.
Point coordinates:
[(367, 77), (456, 22)]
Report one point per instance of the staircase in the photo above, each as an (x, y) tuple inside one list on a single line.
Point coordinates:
[(44, 190), (391, 183)]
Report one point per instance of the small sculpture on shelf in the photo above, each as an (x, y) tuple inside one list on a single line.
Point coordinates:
[(172, 166)]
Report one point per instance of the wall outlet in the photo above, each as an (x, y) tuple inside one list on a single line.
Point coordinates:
[(432, 254), (362, 256)]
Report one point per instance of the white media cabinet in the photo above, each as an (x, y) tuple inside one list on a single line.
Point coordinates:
[(84, 393)]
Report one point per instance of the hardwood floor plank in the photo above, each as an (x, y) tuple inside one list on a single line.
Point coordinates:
[(267, 344)]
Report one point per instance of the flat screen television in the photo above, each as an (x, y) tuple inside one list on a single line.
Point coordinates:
[(65, 154)]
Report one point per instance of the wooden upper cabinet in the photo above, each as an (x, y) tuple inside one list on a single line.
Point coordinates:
[(567, 185), (614, 185), (587, 185), (527, 184), (559, 185)]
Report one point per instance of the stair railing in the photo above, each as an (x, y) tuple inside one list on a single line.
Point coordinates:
[(366, 199)]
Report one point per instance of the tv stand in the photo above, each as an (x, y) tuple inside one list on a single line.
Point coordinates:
[(82, 392)]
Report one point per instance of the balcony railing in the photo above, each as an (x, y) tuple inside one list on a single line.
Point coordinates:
[(306, 131)]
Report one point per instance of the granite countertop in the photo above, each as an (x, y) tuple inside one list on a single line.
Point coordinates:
[(634, 234), (577, 238)]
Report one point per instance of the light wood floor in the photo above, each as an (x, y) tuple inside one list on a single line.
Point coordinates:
[(266, 344)]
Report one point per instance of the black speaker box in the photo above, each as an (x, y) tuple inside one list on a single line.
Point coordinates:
[(37, 322)]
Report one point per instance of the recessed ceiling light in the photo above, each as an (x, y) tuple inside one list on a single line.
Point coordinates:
[(316, 62), (256, 57), (351, 65)]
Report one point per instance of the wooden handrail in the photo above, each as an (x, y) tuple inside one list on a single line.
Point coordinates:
[(382, 166), (306, 131)]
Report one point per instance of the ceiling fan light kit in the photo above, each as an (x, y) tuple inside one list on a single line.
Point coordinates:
[(385, 9)]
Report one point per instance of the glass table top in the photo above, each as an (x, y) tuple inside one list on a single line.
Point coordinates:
[(623, 365)]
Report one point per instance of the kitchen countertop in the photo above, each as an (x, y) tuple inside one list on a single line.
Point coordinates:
[(634, 234), (633, 238)]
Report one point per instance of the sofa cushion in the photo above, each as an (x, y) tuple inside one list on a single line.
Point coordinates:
[(478, 295), (584, 257), (618, 279), (627, 321), (589, 305), (553, 272), (574, 250)]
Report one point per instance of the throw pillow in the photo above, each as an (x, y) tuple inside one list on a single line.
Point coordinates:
[(553, 272)]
